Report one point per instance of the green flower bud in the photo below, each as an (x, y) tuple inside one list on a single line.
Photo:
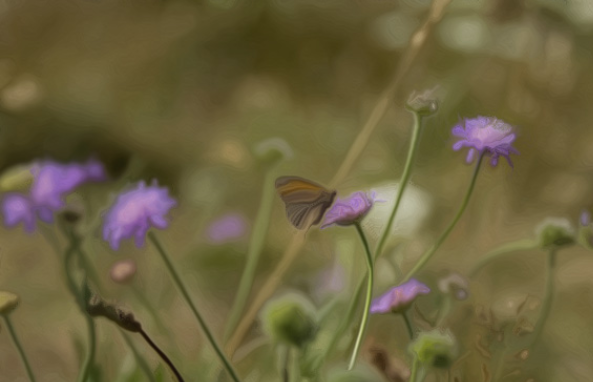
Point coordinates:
[(436, 348), (555, 232), (290, 319), (17, 178), (272, 151), (8, 302), (424, 103)]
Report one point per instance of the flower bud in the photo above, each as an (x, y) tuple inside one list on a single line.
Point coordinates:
[(435, 348), (8, 302), (17, 178), (272, 151), (455, 285), (123, 271), (424, 103), (555, 232), (290, 319)]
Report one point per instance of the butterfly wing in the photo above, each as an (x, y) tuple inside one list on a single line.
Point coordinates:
[(306, 201)]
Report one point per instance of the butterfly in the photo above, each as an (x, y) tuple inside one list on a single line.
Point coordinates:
[(306, 201)]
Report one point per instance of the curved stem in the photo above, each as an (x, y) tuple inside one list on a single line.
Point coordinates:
[(19, 347), (256, 244), (431, 251), (408, 324), (367, 301), (403, 183), (139, 359), (519, 245), (181, 286), (548, 296), (162, 355)]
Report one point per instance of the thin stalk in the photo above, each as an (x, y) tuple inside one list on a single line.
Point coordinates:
[(408, 324), (431, 251), (548, 296), (295, 371), (91, 349), (519, 245), (138, 357), (181, 286), (367, 302), (286, 365), (260, 229), (403, 183), (162, 355), (345, 321), (414, 373), (75, 242), (89, 269), (19, 347)]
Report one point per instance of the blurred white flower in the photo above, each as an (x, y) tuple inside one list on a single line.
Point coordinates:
[(413, 210)]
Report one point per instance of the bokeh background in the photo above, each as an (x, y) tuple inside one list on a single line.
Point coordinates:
[(182, 91)]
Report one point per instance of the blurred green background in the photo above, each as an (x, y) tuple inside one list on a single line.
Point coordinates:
[(181, 91)]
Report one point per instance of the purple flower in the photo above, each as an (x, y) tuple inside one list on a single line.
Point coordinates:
[(399, 298), (18, 208), (350, 210), (52, 180), (135, 211), (227, 228), (485, 134)]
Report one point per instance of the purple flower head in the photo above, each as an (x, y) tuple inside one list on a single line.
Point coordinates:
[(349, 210), (52, 180), (485, 135), (18, 208), (399, 298), (135, 211), (227, 228)]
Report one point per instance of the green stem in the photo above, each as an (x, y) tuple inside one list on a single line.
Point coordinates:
[(19, 347), (408, 324), (260, 229), (431, 251), (89, 269), (75, 243), (414, 373), (138, 357), (367, 302), (345, 321), (403, 183), (179, 283), (285, 366), (161, 354), (519, 245), (90, 354), (548, 296), (295, 371)]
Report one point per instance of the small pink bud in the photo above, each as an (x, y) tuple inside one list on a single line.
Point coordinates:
[(123, 271)]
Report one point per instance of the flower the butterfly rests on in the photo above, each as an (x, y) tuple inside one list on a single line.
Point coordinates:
[(306, 201)]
